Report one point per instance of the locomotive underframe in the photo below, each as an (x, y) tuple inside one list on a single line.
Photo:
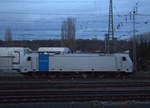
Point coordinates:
[(82, 75)]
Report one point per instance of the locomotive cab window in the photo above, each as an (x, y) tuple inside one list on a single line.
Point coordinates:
[(29, 59), (124, 59)]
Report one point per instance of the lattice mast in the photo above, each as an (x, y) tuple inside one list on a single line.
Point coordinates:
[(110, 35)]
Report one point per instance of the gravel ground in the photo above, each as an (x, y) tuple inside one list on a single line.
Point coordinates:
[(78, 105)]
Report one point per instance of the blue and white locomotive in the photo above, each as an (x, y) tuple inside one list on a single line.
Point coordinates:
[(99, 63)]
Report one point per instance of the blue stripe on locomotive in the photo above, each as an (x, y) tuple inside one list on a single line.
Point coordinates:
[(43, 63)]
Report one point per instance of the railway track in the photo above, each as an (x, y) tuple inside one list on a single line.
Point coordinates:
[(13, 85), (72, 96), (64, 91)]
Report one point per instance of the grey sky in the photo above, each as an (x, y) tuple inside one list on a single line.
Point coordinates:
[(41, 19)]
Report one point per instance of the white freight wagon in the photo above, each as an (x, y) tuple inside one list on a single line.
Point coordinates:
[(16, 52), (76, 63), (54, 50)]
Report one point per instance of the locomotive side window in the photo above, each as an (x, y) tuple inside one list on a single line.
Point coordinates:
[(29, 59), (124, 58)]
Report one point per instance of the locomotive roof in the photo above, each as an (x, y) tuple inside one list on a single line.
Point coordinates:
[(52, 54)]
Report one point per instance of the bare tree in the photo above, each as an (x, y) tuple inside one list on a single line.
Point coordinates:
[(8, 35), (68, 34)]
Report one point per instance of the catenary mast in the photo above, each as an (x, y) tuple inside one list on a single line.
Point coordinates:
[(110, 35)]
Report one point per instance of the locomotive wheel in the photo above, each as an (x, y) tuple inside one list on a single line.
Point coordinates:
[(118, 76), (85, 76), (52, 76), (33, 75), (101, 76)]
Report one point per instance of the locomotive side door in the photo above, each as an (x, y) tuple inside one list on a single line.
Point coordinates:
[(124, 63), (28, 64)]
